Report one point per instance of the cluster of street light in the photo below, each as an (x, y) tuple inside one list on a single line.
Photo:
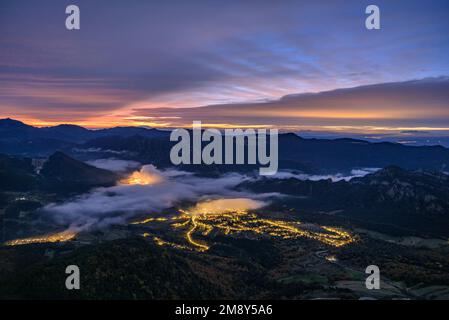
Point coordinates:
[(52, 237), (195, 228)]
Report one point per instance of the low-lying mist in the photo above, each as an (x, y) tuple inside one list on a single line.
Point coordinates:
[(150, 190), (355, 173)]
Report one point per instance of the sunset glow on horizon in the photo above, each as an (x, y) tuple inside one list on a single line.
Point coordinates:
[(165, 66), (94, 125)]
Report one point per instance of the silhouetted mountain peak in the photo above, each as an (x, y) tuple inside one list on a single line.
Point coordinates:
[(290, 136), (67, 172), (350, 140), (11, 123), (69, 127)]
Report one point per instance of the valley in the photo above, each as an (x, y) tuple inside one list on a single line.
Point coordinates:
[(217, 234)]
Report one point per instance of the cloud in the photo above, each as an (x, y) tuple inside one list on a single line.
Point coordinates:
[(117, 204), (418, 103), (355, 173), (151, 190), (201, 53), (116, 165)]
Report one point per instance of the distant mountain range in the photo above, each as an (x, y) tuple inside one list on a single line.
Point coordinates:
[(10, 128), (315, 156), (19, 138), (153, 146), (322, 155)]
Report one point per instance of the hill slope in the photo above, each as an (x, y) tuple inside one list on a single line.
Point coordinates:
[(63, 172), (414, 200)]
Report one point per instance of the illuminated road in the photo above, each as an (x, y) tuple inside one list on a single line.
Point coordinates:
[(194, 225), (53, 237)]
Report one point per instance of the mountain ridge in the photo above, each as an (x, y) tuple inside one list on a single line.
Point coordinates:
[(309, 155), (73, 132)]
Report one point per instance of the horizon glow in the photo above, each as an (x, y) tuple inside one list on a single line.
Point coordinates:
[(165, 65)]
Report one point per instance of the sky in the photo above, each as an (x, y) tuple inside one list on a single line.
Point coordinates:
[(294, 65)]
